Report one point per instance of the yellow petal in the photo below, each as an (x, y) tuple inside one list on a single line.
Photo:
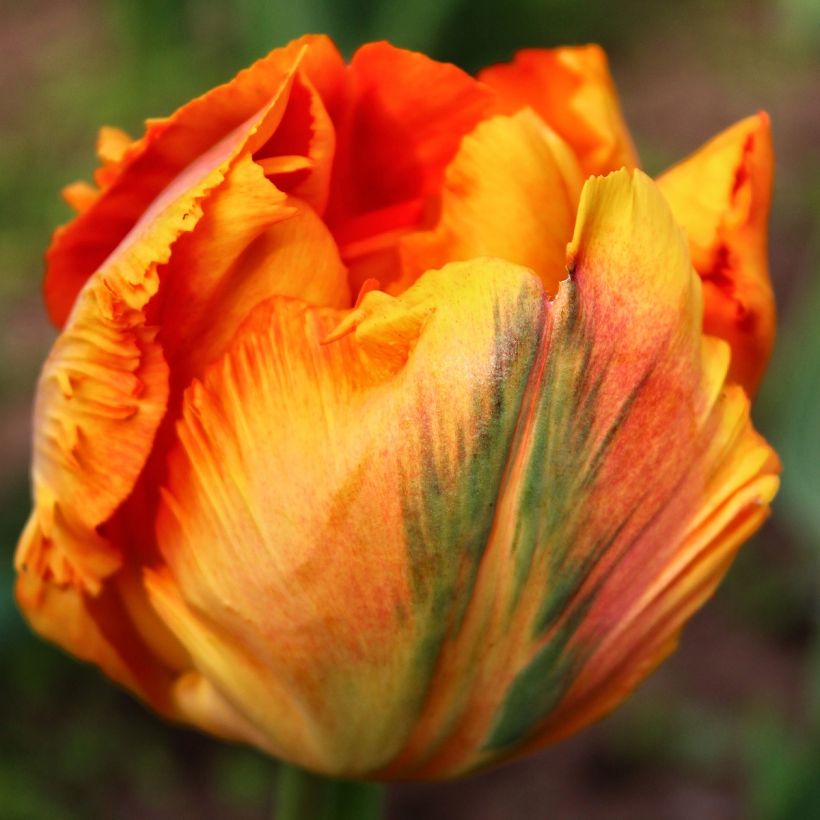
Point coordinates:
[(505, 194), (572, 91), (633, 478), (721, 196), (328, 503)]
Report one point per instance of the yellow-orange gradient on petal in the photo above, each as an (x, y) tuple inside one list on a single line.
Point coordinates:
[(343, 448), (572, 91)]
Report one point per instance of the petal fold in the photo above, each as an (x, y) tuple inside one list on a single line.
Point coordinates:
[(404, 118), (505, 194), (252, 243), (134, 177)]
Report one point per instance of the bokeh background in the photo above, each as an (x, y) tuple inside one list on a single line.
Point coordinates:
[(730, 727)]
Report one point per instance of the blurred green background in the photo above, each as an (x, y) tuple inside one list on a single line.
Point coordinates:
[(730, 727)]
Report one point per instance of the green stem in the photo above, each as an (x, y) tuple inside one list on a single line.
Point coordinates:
[(302, 795)]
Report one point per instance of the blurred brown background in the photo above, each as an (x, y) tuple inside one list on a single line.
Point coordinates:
[(730, 727)]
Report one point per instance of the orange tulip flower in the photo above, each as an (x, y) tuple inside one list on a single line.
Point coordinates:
[(398, 423)]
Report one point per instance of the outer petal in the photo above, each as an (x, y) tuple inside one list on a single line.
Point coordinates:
[(101, 398), (721, 196), (505, 194), (591, 569), (328, 504), (572, 91), (93, 628), (134, 178)]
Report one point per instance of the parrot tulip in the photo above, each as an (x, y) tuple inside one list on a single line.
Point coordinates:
[(398, 422)]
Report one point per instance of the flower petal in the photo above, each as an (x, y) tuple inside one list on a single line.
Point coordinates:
[(321, 628), (104, 387), (505, 194), (100, 400), (299, 156), (405, 117), (515, 573), (591, 570), (252, 243), (721, 196), (148, 167), (572, 91)]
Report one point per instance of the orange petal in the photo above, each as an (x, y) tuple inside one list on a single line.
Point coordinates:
[(736, 503), (168, 147), (298, 157), (523, 576), (312, 602), (252, 243), (99, 629), (672, 416), (405, 118), (505, 194), (80, 195), (668, 545), (100, 400), (721, 196), (572, 91), (104, 386), (93, 628)]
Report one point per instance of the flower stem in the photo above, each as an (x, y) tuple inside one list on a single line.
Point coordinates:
[(302, 795)]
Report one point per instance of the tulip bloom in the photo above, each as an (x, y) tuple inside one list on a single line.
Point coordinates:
[(397, 423)]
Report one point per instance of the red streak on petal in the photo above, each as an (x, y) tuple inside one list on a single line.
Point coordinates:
[(742, 172)]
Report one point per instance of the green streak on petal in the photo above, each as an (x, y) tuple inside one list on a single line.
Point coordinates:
[(449, 517), (551, 521), (551, 515), (565, 585), (449, 514), (539, 686)]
